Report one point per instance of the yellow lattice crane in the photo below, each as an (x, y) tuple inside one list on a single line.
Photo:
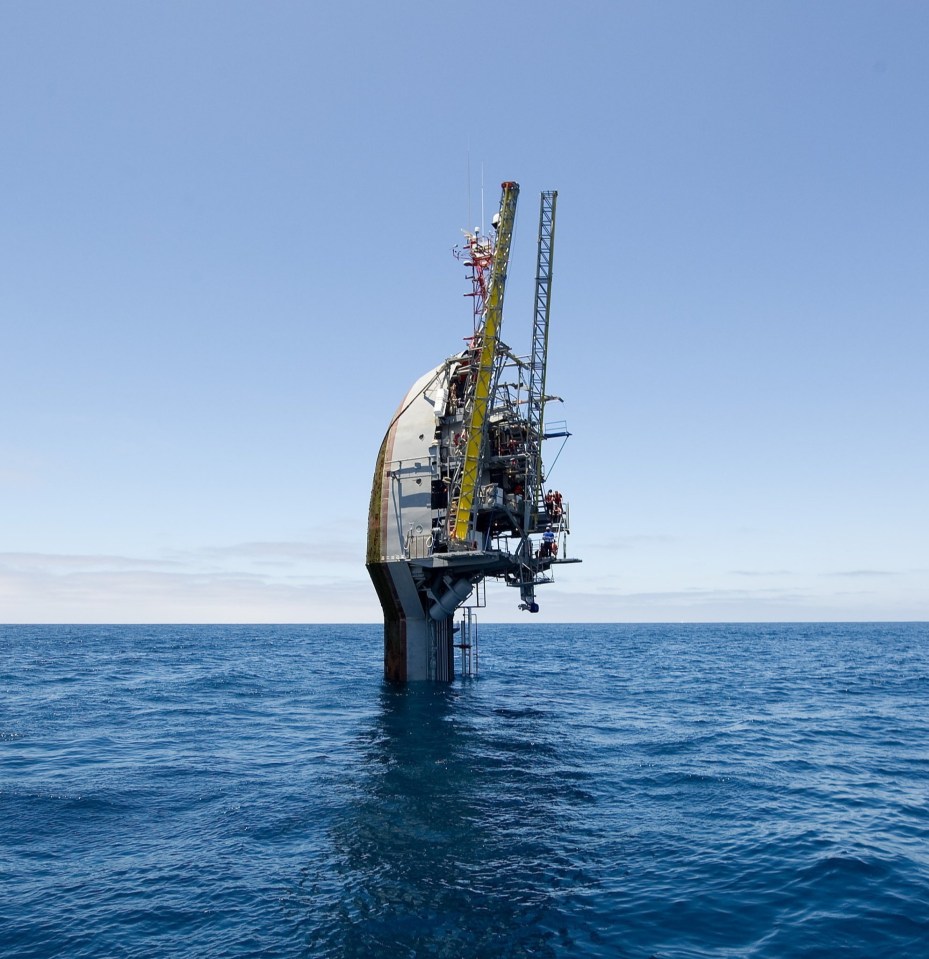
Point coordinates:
[(488, 338)]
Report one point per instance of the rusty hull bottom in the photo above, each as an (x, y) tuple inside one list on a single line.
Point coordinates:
[(416, 647)]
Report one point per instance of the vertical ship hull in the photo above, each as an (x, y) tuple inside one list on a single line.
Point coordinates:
[(457, 487), (417, 645)]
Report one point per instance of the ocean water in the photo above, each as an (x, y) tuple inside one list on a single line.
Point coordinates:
[(598, 790)]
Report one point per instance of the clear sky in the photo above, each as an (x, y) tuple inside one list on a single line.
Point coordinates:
[(225, 255)]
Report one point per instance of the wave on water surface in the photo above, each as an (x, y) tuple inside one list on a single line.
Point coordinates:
[(598, 790)]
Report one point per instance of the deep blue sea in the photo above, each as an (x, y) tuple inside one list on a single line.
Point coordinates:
[(597, 790)]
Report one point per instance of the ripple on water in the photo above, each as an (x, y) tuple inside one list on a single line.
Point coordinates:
[(630, 791)]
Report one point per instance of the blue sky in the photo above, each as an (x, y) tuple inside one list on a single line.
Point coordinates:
[(225, 254)]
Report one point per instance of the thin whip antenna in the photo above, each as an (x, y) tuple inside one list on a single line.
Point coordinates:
[(468, 221), (482, 198)]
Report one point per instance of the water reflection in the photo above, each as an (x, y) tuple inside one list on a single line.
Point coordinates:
[(450, 839)]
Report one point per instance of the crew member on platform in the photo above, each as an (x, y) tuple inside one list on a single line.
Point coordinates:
[(548, 542)]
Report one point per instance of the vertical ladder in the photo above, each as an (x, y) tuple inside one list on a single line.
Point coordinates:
[(467, 642)]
